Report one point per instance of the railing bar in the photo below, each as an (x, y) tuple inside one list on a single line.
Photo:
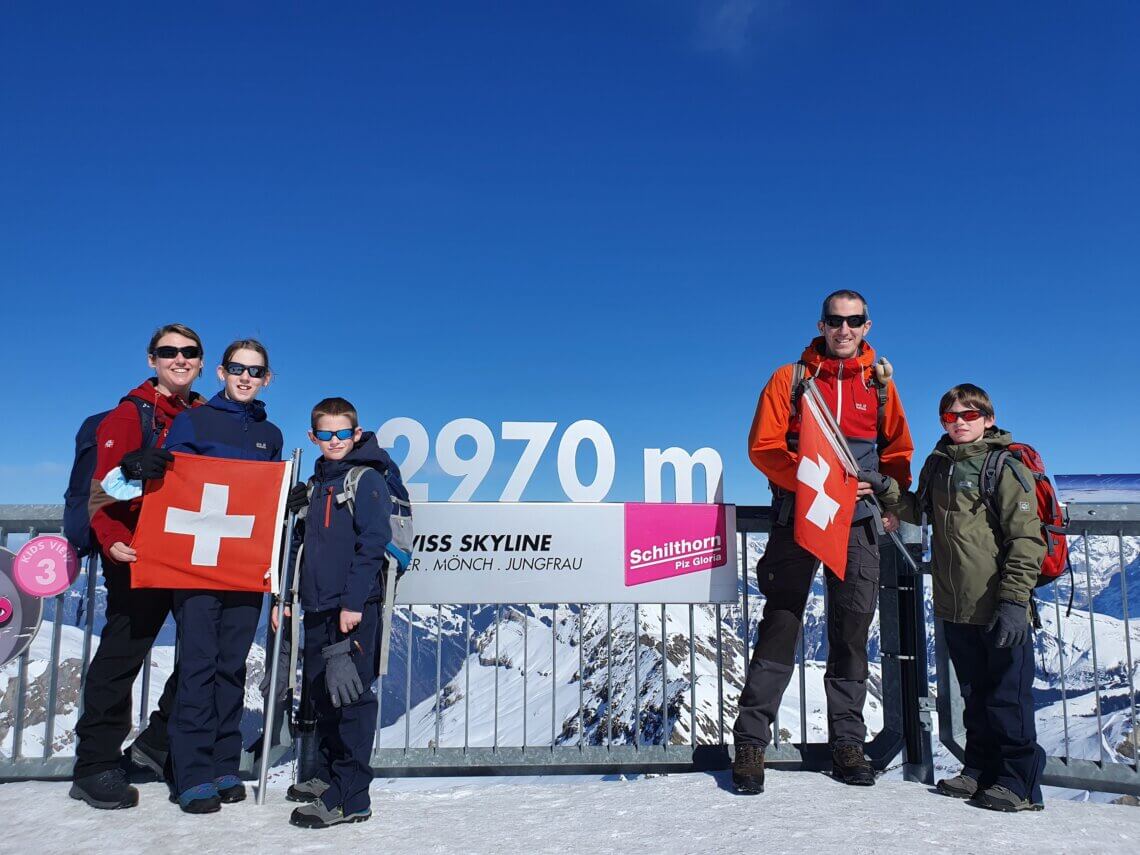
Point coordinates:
[(609, 675), (498, 617), (665, 730), (53, 680), (719, 675), (803, 687), (1092, 647), (144, 695), (1128, 648), (636, 675), (553, 672), (525, 611), (581, 681), (692, 676), (467, 679), (21, 705), (1061, 654), (438, 667), (408, 685)]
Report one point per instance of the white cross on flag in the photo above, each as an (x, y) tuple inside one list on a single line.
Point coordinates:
[(212, 524), (825, 492)]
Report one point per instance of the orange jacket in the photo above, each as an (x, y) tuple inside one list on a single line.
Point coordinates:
[(848, 389)]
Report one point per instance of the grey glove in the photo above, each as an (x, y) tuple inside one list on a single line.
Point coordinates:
[(283, 663), (341, 677), (1011, 622), (879, 482)]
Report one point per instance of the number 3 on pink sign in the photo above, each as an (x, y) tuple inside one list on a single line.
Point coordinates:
[(45, 566)]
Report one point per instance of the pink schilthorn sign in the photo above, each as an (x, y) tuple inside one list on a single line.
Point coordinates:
[(45, 566), (664, 541)]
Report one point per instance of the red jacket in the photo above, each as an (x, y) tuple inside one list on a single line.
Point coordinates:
[(848, 389), (111, 520)]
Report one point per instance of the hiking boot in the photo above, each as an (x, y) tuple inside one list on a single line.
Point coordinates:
[(146, 755), (230, 789), (316, 815), (961, 786), (1006, 800), (106, 790), (202, 798), (748, 769), (850, 766), (306, 791)]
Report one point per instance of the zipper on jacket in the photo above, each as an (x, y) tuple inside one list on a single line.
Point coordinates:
[(949, 570), (839, 397), (328, 505)]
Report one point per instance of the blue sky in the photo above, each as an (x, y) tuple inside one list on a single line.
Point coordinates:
[(625, 212)]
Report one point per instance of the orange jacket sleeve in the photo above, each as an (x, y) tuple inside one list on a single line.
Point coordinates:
[(767, 440), (897, 446)]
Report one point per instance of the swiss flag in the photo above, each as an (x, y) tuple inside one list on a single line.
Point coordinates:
[(213, 524), (825, 493)]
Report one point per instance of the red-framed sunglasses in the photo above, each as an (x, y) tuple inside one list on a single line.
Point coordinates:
[(948, 418)]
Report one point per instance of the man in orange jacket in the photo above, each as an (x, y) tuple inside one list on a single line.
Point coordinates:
[(867, 409)]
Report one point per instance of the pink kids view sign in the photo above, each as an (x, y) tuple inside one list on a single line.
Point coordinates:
[(665, 541)]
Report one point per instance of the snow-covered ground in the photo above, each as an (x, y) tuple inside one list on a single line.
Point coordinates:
[(799, 812)]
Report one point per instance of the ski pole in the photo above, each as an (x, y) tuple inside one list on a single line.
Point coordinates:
[(271, 698), (839, 442)]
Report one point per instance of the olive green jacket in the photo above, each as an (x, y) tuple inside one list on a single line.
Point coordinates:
[(978, 558)]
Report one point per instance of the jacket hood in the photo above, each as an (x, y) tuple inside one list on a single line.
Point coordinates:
[(255, 409), (166, 405), (815, 358), (366, 453), (994, 440)]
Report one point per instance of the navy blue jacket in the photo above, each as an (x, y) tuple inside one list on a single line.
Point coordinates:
[(345, 553), (225, 428)]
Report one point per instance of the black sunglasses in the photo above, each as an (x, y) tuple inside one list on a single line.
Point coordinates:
[(852, 321), (237, 369), (169, 351)]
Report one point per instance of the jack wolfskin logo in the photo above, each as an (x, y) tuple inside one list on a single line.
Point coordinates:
[(1023, 505), (262, 446), (859, 406), (966, 485), (109, 443)]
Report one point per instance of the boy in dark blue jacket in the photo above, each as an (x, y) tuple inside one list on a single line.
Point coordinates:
[(341, 591)]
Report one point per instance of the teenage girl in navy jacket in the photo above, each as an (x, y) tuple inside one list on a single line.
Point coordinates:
[(216, 628)]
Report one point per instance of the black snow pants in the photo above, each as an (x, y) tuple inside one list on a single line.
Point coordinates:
[(784, 575)]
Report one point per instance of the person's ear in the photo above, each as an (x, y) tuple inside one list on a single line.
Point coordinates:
[(989, 422), (221, 372), (819, 326), (265, 380), (359, 432), (867, 326), (312, 438), (151, 362)]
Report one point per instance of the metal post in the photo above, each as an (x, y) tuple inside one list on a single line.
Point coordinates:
[(408, 684), (665, 730), (719, 676), (692, 677), (525, 612), (636, 675), (553, 672), (1128, 647), (270, 712), (1092, 646), (89, 623), (581, 681), (498, 611), (609, 675), (1061, 654), (53, 679), (467, 680), (438, 666)]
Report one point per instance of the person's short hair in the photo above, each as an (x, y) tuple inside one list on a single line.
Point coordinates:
[(844, 294), (167, 329), (968, 395), (333, 407), (246, 344)]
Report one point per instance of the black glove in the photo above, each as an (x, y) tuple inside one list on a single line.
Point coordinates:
[(145, 463), (1011, 622), (879, 482), (298, 498), (341, 677), (282, 667)]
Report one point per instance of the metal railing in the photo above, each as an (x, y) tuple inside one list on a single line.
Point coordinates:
[(583, 687)]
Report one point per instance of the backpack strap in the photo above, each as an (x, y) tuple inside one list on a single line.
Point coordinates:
[(351, 482), (799, 371), (994, 464), (146, 421)]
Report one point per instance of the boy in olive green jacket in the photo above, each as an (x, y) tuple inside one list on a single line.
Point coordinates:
[(986, 558)]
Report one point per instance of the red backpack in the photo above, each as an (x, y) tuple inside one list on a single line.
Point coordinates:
[(1054, 518)]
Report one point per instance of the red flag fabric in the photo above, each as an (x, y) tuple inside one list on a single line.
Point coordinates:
[(212, 524), (825, 494)]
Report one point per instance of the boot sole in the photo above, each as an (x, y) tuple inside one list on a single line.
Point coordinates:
[(852, 783), (81, 795), (306, 822), (748, 791), (955, 794), (1008, 808)]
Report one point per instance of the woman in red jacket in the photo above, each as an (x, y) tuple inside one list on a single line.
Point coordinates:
[(130, 438)]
